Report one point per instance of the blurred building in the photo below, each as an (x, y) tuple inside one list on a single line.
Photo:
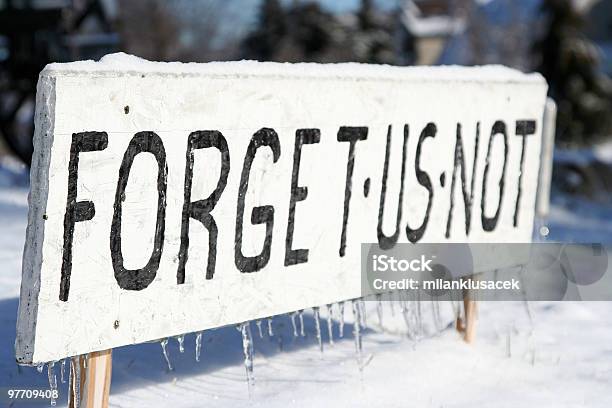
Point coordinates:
[(426, 26)]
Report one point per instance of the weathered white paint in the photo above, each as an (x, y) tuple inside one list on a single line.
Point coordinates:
[(238, 99)]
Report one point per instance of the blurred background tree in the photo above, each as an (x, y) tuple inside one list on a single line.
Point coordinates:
[(305, 32), (134, 23), (32, 34), (570, 62), (177, 30)]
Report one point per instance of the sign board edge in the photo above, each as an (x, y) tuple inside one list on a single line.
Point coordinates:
[(37, 204)]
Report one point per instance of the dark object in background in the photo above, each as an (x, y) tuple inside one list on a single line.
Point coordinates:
[(570, 63), (580, 173), (305, 32), (32, 36), (599, 29)]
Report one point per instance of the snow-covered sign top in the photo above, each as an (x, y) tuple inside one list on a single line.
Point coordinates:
[(169, 198)]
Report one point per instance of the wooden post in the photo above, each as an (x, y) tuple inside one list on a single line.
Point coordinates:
[(95, 380), (467, 327), (471, 314)]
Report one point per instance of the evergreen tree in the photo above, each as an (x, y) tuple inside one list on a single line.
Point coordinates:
[(570, 63), (373, 43), (304, 31), (262, 43), (310, 35)]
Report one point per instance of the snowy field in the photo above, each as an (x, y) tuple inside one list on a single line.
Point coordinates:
[(541, 354)]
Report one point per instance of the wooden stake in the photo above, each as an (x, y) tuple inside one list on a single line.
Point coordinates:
[(471, 314), (95, 380), (467, 327)]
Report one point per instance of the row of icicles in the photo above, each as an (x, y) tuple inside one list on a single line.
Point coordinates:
[(410, 310)]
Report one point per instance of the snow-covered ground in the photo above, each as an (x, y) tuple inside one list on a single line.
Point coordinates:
[(546, 354)]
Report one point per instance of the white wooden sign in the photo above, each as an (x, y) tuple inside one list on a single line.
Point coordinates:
[(171, 198)]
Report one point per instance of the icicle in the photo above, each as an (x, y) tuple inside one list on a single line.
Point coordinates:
[(330, 325), (164, 343), (456, 302), (341, 324), (509, 343), (407, 314), (295, 332), (69, 379), (75, 380), (433, 315), (392, 304), (258, 324), (379, 309), (301, 317), (52, 382), (409, 329), (62, 369), (357, 333), (419, 315), (531, 348), (40, 368), (525, 300), (270, 332), (416, 311), (198, 346), (181, 342), (400, 299), (362, 313), (318, 327), (437, 318), (247, 350)]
